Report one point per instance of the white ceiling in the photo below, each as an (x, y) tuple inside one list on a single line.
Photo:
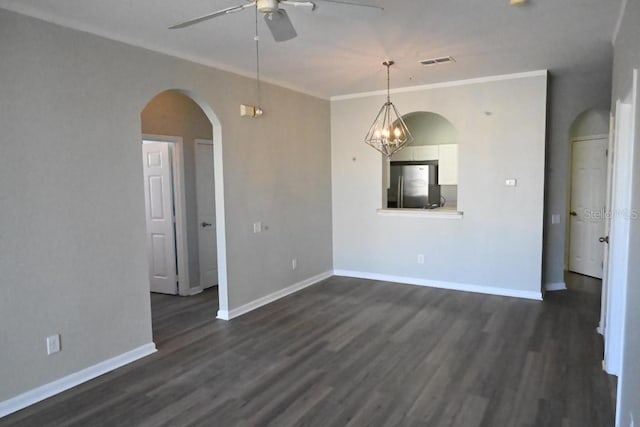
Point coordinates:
[(339, 49)]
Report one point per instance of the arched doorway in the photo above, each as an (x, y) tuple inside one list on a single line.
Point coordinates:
[(589, 139), (182, 127)]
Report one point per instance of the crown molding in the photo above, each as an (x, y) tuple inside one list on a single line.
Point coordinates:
[(157, 48), (616, 31), (538, 73)]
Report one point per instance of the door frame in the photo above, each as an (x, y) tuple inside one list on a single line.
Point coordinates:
[(568, 237), (179, 199), (604, 300), (614, 292), (200, 286)]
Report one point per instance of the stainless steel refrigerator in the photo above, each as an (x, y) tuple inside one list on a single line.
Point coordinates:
[(414, 185)]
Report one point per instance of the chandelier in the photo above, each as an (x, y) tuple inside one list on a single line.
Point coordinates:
[(388, 133)]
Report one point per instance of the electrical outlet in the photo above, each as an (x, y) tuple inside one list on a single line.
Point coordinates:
[(511, 182), (294, 264), (555, 219), (420, 259), (53, 344)]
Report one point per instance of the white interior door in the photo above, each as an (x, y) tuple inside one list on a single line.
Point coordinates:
[(588, 199), (621, 216), (607, 225), (161, 243), (206, 214)]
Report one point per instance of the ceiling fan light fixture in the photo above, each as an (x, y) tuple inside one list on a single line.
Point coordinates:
[(389, 133), (267, 6)]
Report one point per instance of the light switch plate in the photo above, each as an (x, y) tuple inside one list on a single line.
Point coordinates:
[(555, 219), (257, 227), (511, 182), (53, 344)]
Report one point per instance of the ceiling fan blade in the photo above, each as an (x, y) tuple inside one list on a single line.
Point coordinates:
[(296, 3), (212, 15), (348, 3), (280, 25)]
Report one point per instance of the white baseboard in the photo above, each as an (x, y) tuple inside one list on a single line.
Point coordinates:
[(534, 295), (243, 309), (58, 386), (557, 286), (195, 290)]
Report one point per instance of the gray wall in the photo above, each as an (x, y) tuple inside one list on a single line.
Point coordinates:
[(627, 58), (498, 243), (571, 92), (174, 114), (430, 129), (72, 227), (590, 123)]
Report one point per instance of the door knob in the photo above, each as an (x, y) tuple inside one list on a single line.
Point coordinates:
[(604, 239), (205, 224), (573, 213)]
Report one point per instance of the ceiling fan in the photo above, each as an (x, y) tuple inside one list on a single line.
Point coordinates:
[(276, 18)]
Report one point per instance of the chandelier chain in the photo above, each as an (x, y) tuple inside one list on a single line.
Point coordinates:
[(388, 64), (257, 39)]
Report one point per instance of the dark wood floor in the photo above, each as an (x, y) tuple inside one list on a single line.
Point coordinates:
[(350, 352)]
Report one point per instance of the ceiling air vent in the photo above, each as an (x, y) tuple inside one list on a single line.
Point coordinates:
[(438, 61)]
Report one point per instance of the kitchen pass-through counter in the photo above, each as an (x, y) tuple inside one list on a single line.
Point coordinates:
[(447, 212)]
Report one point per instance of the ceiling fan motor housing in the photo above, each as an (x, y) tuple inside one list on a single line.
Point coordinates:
[(267, 6)]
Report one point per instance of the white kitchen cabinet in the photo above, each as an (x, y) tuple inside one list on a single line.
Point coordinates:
[(416, 153), (448, 164), (425, 152), (406, 154)]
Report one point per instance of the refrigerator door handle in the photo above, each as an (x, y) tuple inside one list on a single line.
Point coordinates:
[(401, 191)]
